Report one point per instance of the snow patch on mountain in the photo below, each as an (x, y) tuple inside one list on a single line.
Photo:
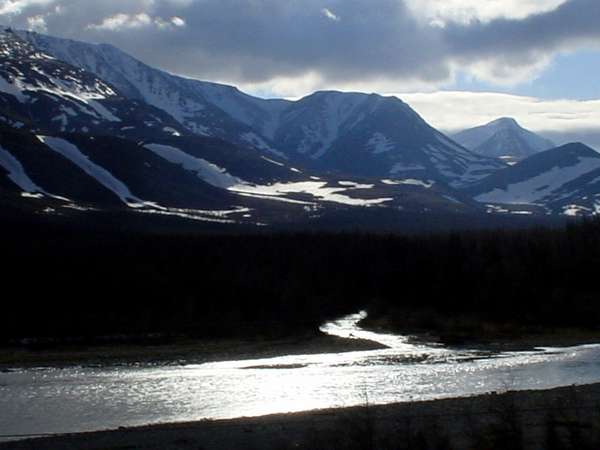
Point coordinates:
[(576, 210), (405, 167), (101, 175), (213, 216), (171, 131), (258, 142), (272, 162), (354, 185), (73, 89), (10, 88), (206, 171), (16, 173), (316, 189), (379, 143), (427, 184)]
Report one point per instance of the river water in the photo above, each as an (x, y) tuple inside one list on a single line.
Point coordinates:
[(86, 399)]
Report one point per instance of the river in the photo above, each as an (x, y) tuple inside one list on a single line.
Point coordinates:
[(50, 400)]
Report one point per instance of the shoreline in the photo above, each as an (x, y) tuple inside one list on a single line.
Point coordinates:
[(516, 417), (513, 340), (183, 351), (178, 352)]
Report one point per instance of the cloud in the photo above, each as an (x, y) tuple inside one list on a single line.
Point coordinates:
[(13, 7), (504, 45), (330, 15), (141, 20), (464, 11), (561, 120), (178, 21), (120, 21), (281, 43), (37, 23)]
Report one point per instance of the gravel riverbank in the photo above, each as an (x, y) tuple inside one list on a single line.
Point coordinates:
[(561, 418)]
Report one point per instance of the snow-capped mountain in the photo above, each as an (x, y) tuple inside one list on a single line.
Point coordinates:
[(372, 135), (564, 180), (357, 134), (89, 127), (41, 92), (503, 138)]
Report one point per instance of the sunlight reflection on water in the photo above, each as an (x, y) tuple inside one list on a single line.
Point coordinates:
[(83, 399)]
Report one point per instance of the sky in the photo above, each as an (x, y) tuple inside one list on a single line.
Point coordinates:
[(459, 63)]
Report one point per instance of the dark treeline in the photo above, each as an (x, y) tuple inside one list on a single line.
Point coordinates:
[(61, 282)]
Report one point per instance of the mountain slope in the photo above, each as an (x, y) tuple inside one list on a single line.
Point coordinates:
[(563, 180), (196, 178), (503, 138), (40, 92), (345, 133), (207, 109)]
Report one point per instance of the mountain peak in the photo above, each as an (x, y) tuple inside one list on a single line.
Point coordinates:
[(503, 138), (504, 122)]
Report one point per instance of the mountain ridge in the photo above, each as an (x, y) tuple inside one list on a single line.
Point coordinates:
[(162, 144)]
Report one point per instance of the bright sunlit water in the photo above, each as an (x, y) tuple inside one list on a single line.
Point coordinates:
[(85, 399)]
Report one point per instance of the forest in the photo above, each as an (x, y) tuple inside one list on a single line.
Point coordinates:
[(69, 284)]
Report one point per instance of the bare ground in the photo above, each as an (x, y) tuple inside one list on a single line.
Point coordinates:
[(563, 418)]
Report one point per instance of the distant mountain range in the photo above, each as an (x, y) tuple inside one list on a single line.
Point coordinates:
[(503, 138), (87, 127)]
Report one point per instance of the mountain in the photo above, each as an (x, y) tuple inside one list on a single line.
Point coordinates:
[(375, 136), (203, 108), (343, 133), (563, 180), (87, 129), (38, 91), (503, 138)]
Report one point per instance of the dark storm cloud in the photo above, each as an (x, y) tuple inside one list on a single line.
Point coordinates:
[(571, 24), (341, 40), (257, 40)]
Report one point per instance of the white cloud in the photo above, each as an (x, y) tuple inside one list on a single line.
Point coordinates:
[(464, 11), (132, 21), (121, 20), (178, 21), (330, 15), (17, 6), (37, 23), (454, 111), (298, 86), (503, 71)]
